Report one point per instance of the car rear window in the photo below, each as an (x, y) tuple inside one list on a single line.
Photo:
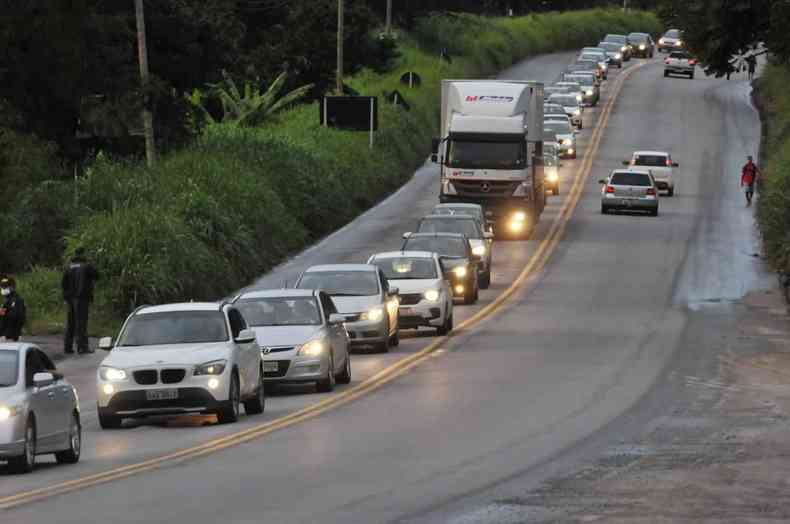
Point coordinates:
[(650, 160), (630, 179), (466, 226), (678, 55), (583, 80), (565, 100), (445, 246)]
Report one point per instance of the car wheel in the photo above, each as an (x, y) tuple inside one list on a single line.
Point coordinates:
[(72, 454), (395, 339), (485, 279), (671, 191), (384, 346), (345, 376), (109, 421), (469, 295), (666, 74), (691, 76), (326, 385), (446, 327), (229, 412), (654, 212), (257, 404), (604, 209), (27, 460), (555, 191), (581, 125)]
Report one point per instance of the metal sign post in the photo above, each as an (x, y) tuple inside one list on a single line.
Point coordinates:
[(372, 114)]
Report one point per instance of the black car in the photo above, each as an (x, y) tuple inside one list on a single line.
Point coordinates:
[(622, 40), (459, 264), (642, 45)]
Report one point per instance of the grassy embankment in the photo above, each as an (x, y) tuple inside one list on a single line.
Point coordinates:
[(773, 210), (213, 216)]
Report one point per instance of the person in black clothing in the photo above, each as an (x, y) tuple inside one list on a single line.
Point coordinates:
[(751, 62), (78, 281), (13, 313)]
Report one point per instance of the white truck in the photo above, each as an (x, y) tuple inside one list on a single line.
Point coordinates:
[(490, 150)]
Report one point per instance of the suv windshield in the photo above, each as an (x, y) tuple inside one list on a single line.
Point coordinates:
[(612, 47), (493, 155), (465, 226), (9, 360), (630, 179), (174, 327), (565, 100), (342, 283), (444, 246), (280, 311), (406, 268), (650, 160), (638, 37), (672, 33), (592, 57), (557, 126)]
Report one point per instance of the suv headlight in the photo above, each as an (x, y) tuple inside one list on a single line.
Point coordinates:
[(374, 315), (215, 367), (432, 295), (479, 250), (7, 412), (313, 348), (577, 112), (661, 41), (109, 374), (460, 271)]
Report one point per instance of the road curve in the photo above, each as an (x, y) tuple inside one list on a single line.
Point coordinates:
[(571, 352)]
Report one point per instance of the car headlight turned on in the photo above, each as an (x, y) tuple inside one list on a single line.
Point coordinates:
[(590, 92), (8, 412), (479, 250), (215, 367), (553, 177), (578, 98), (459, 289), (661, 41), (374, 315), (519, 216), (624, 49), (641, 47), (618, 56), (577, 112), (432, 295), (460, 271), (313, 348), (113, 374)]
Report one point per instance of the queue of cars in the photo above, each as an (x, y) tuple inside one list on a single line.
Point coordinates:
[(215, 358)]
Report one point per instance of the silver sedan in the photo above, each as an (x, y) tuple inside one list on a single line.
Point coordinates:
[(39, 410)]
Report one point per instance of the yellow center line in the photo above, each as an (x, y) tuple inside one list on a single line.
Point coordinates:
[(536, 262)]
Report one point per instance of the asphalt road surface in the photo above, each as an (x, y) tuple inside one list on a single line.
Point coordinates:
[(578, 345)]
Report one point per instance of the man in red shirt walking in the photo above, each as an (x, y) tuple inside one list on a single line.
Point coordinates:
[(749, 175)]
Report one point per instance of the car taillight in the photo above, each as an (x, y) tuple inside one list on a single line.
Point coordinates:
[(609, 189), (692, 62), (666, 61), (669, 163), (651, 191)]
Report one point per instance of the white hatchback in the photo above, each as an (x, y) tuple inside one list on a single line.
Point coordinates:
[(181, 359), (660, 165)]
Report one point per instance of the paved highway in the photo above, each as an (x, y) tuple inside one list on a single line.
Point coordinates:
[(577, 345)]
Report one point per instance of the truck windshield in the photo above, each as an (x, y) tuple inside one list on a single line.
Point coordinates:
[(491, 155)]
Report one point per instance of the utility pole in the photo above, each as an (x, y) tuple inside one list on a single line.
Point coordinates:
[(389, 17), (339, 79), (625, 5), (142, 55)]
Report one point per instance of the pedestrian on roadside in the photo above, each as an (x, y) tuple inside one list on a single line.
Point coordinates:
[(13, 313), (78, 282), (749, 176), (751, 62)]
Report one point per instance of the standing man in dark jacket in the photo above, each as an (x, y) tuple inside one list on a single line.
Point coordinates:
[(78, 281), (12, 314)]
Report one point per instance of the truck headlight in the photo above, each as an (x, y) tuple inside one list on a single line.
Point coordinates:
[(432, 295), (479, 250), (679, 43), (113, 374), (215, 367), (313, 348), (460, 271), (374, 315), (7, 412)]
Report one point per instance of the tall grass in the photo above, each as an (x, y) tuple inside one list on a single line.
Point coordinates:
[(212, 217)]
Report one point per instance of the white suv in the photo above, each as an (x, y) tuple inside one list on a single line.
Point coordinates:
[(660, 164), (181, 358)]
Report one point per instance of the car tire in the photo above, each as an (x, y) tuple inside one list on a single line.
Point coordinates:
[(691, 76), (666, 74), (469, 295), (256, 404), (604, 209), (344, 377), (671, 191), (395, 339), (654, 213), (384, 347), (445, 328), (581, 125), (72, 454), (485, 280), (327, 385), (229, 412), (26, 462), (108, 421)]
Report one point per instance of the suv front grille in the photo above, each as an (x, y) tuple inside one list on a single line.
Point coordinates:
[(410, 299), (282, 369), (172, 376), (145, 377)]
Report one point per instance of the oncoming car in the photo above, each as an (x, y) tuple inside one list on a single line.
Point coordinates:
[(426, 299), (39, 409), (632, 190), (642, 44), (189, 358), (671, 41), (301, 336), (622, 41), (362, 294)]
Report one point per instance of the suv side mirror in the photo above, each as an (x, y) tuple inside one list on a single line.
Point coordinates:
[(246, 336), (335, 318), (43, 379), (105, 343)]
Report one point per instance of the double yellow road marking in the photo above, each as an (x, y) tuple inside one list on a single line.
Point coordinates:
[(536, 262)]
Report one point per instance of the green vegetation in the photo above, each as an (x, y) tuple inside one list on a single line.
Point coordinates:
[(215, 214), (773, 210)]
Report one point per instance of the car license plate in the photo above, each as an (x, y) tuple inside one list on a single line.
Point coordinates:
[(161, 394), (407, 311), (271, 367)]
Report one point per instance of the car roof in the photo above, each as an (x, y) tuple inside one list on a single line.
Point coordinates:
[(179, 306), (656, 153), (17, 346), (638, 34), (454, 217), (341, 267), (273, 293), (459, 204), (437, 234), (400, 254)]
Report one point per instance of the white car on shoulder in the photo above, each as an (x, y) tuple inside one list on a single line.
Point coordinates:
[(425, 295), (660, 164), (175, 359)]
